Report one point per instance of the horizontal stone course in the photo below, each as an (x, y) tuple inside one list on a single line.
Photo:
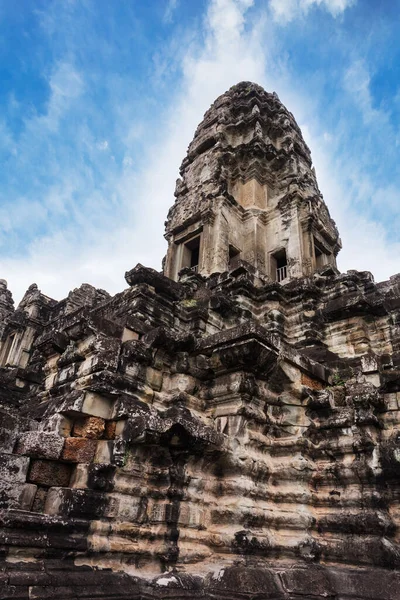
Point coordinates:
[(233, 583)]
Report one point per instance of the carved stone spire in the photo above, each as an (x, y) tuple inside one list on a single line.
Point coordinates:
[(6, 304), (248, 192)]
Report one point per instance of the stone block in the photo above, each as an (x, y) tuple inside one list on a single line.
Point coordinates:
[(13, 469), (179, 382), (88, 403), (104, 452), (50, 473), (101, 477), (94, 476), (59, 424), (154, 378), (40, 499), (373, 378), (392, 401), (309, 382), (85, 504), (8, 439), (369, 364), (89, 427), (375, 584), (18, 496), (27, 496), (79, 477), (120, 427), (128, 334), (40, 444), (124, 507), (302, 581), (79, 449), (97, 405), (17, 423), (158, 513), (246, 581), (110, 452), (191, 516)]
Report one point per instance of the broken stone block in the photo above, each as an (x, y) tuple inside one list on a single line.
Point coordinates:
[(49, 473), (89, 427), (79, 449), (40, 444)]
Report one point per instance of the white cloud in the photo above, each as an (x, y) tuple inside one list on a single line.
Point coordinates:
[(66, 85), (287, 10)]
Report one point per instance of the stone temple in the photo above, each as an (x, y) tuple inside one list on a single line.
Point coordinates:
[(228, 428)]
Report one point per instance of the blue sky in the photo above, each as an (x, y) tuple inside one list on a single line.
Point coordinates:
[(99, 101)]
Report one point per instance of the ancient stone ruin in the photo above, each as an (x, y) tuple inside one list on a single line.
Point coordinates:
[(225, 429)]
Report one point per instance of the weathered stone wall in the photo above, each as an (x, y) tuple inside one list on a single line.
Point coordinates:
[(213, 437), (224, 443)]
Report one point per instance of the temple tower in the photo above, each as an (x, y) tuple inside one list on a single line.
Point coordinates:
[(248, 192)]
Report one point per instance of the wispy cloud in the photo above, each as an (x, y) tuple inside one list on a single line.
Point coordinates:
[(170, 10), (357, 81), (287, 10)]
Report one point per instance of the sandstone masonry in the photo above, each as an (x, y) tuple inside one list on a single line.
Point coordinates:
[(227, 428)]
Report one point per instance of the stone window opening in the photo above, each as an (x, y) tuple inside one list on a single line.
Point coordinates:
[(279, 266), (8, 350), (191, 254), (234, 256), (321, 256)]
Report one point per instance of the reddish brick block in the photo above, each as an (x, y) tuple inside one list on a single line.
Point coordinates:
[(51, 473), (109, 431), (311, 383), (81, 450), (89, 427)]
